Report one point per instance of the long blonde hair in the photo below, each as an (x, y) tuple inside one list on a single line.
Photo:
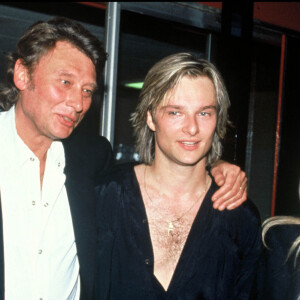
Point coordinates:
[(163, 77), (283, 220)]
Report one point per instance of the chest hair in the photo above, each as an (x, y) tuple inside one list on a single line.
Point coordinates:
[(168, 244)]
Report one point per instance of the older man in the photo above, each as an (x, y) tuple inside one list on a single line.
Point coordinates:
[(48, 219)]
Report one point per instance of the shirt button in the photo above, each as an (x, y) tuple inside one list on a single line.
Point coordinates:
[(144, 221), (46, 204), (33, 202), (147, 261), (32, 158), (40, 251), (58, 164)]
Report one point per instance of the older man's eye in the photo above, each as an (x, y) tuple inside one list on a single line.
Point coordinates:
[(88, 92), (204, 113)]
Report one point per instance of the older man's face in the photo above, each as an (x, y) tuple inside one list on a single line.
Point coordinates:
[(58, 95)]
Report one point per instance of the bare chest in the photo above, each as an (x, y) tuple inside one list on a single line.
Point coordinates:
[(168, 234)]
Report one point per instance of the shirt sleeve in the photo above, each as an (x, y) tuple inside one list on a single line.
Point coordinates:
[(248, 237)]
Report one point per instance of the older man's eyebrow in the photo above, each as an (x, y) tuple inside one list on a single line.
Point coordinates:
[(70, 75)]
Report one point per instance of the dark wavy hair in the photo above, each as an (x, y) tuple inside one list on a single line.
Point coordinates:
[(38, 40)]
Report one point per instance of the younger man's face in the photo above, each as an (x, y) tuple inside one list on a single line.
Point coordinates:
[(185, 122)]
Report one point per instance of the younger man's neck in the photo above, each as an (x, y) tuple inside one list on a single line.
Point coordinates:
[(177, 176)]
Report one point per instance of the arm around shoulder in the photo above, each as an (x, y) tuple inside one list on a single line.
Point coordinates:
[(233, 185)]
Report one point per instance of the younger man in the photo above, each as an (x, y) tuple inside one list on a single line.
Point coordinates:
[(159, 236)]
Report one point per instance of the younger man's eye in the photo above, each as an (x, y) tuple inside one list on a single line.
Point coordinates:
[(174, 113)]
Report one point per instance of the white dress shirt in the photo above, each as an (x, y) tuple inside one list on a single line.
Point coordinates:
[(40, 255)]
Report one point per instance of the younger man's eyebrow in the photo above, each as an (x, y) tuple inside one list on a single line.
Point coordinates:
[(171, 106), (209, 107), (179, 106)]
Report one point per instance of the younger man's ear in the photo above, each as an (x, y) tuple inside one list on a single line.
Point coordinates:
[(150, 121), (21, 75)]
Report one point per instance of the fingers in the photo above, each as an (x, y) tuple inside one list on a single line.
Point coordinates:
[(233, 181), (232, 202), (233, 186), (235, 202), (232, 194), (219, 178)]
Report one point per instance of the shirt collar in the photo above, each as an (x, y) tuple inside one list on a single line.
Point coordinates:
[(55, 154)]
